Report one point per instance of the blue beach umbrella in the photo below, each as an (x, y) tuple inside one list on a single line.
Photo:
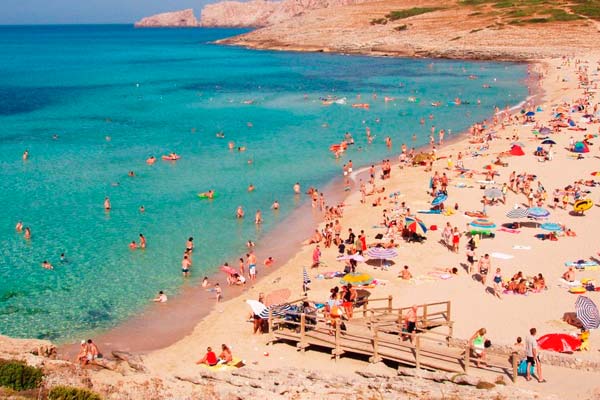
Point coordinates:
[(538, 212), (530, 114), (551, 226), (439, 199)]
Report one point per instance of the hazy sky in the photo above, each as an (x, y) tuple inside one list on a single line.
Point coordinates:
[(88, 11)]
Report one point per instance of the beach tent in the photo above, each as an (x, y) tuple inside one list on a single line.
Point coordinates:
[(581, 147), (559, 342), (517, 151)]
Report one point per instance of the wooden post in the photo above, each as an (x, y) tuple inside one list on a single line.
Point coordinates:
[(418, 351), (450, 332), (337, 340), (425, 315), (448, 310), (365, 308), (375, 339), (467, 358), (390, 303), (515, 365), (302, 331)]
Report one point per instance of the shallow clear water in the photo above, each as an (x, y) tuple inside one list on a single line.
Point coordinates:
[(156, 91)]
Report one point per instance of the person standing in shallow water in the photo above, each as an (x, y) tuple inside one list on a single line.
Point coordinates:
[(107, 205), (142, 241)]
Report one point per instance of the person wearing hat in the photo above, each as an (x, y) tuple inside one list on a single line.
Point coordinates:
[(82, 355)]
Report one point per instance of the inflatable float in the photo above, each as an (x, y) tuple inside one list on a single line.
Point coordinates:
[(171, 157), (205, 195), (583, 205), (577, 290), (361, 105)]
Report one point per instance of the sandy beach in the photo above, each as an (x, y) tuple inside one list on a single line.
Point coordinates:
[(473, 306)]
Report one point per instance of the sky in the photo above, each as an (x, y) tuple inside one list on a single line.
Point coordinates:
[(15, 12)]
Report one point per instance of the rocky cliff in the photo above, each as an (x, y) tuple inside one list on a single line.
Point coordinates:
[(178, 19), (258, 13)]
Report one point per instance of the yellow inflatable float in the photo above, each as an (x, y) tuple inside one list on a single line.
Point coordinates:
[(583, 205)]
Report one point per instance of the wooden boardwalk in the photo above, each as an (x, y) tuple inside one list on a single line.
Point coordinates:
[(377, 333)]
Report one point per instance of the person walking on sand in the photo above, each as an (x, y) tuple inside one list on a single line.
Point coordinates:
[(533, 357), (316, 256), (477, 343), (498, 283), (218, 292), (484, 266)]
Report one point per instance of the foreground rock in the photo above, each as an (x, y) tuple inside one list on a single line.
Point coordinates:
[(257, 13), (175, 19)]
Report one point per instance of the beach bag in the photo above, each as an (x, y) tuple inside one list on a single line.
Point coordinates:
[(522, 369)]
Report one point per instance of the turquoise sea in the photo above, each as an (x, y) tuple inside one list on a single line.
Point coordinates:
[(157, 91)]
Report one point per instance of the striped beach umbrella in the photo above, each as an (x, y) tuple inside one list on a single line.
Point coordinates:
[(484, 224), (382, 253), (587, 312), (551, 226), (538, 212), (305, 280), (417, 226), (517, 212), (278, 310)]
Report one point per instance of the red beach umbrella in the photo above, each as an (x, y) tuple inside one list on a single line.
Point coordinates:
[(559, 342)]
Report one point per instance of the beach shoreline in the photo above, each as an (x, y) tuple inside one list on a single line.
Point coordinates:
[(159, 326)]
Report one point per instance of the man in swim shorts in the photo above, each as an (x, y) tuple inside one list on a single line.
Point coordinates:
[(251, 265)]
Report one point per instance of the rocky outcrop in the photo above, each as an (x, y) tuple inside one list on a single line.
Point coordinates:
[(174, 19), (258, 13)]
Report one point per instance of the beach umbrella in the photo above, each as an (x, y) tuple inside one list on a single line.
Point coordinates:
[(256, 306), (551, 226), (305, 280), (417, 227), (548, 141), (517, 212), (493, 193), (587, 312), (484, 224), (356, 278), (356, 257), (278, 310), (559, 342), (381, 253), (581, 147), (538, 212), (228, 270), (439, 199), (530, 114), (278, 296), (545, 130), (517, 151)]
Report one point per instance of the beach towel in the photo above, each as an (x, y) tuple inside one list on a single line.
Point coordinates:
[(235, 364), (522, 369), (440, 275), (502, 256), (429, 211), (565, 283), (508, 230), (581, 264), (519, 247)]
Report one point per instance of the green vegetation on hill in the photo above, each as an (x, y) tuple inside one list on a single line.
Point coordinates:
[(538, 11), (410, 12), (18, 376)]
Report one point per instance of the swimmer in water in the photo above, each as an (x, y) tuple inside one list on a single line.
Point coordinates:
[(27, 233), (269, 262), (133, 245), (131, 174), (414, 137), (296, 188), (251, 188), (63, 258), (142, 209), (107, 204), (205, 282), (275, 205), (150, 160), (258, 217), (19, 227), (239, 214), (231, 145), (220, 135), (242, 148), (47, 265), (142, 241), (25, 155), (250, 244)]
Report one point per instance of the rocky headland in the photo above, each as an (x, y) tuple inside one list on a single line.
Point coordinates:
[(174, 19)]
